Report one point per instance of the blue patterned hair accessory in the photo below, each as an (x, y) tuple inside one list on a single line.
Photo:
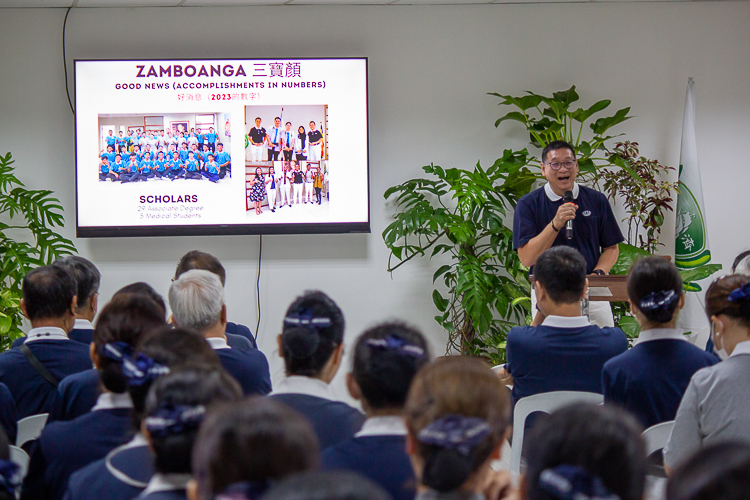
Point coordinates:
[(455, 432), (137, 370), (306, 319), (9, 476), (658, 300), (393, 343), (175, 420), (741, 293), (571, 482), (244, 491)]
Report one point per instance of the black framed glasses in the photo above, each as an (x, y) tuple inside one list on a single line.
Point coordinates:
[(556, 165)]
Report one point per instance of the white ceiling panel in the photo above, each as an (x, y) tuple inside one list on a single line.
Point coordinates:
[(35, 3)]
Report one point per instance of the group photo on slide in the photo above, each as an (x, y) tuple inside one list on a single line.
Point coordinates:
[(189, 146)]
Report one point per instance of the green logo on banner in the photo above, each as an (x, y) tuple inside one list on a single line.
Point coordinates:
[(690, 232)]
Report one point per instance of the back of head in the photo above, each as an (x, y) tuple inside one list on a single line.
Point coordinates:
[(730, 295), (587, 449), (175, 407), (254, 442), (655, 288), (561, 271), (313, 328), (717, 472), (121, 325), (386, 359), (141, 288), (741, 264), (196, 299), (87, 276), (48, 292), (555, 145), (327, 485), (457, 411), (201, 260)]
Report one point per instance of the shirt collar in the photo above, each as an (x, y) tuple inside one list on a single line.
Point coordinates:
[(111, 401), (304, 385), (83, 324), (218, 343), (46, 333), (166, 482), (660, 334), (383, 426), (741, 348), (555, 197), (566, 321), (137, 441)]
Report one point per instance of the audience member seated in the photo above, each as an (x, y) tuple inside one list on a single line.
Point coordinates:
[(175, 407), (715, 406), (717, 472), (197, 302), (457, 416), (241, 449), (565, 352), (78, 392), (87, 278), (125, 472), (386, 359), (33, 372), (325, 485), (650, 379), (8, 471), (65, 447), (201, 260), (741, 265), (586, 452)]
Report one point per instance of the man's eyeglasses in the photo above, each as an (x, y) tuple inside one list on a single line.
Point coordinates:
[(556, 165)]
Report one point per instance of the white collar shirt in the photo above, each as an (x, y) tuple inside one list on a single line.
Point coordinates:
[(566, 321), (46, 333), (554, 197), (218, 343), (83, 324), (112, 401), (304, 385), (383, 426), (660, 334), (741, 348), (166, 482)]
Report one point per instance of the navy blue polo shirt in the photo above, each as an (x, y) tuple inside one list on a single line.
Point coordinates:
[(594, 227)]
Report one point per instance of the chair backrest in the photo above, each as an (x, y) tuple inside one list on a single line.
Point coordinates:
[(656, 436), (546, 402), (30, 428), (20, 457)]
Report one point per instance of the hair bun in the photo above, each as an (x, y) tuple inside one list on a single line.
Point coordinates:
[(446, 470), (300, 343)]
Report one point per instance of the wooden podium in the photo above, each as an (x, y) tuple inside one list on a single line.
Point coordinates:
[(608, 288)]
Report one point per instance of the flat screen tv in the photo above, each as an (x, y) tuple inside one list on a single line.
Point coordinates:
[(221, 146)]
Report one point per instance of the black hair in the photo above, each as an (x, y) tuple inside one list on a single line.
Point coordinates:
[(127, 318), (739, 259), (256, 441), (555, 145), (561, 270), (193, 386), (48, 292), (653, 275), (604, 440), (718, 298), (141, 288), (5, 455), (307, 348), (717, 472), (196, 259), (327, 485), (384, 374), (87, 276)]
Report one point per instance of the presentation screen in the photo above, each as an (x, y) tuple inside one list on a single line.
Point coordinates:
[(230, 146)]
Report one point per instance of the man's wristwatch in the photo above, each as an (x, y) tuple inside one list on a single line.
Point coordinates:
[(599, 272)]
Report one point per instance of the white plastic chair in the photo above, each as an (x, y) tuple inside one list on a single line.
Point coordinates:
[(30, 428), (546, 402), (20, 457), (656, 436)]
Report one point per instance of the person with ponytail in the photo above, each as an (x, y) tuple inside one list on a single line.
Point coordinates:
[(65, 447), (650, 379), (718, 472), (242, 449), (457, 417), (175, 407), (715, 406), (741, 265), (312, 345), (386, 359), (586, 452), (125, 472)]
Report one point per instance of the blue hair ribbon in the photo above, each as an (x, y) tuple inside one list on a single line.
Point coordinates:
[(246, 490), (455, 432), (571, 482), (9, 476), (658, 300), (307, 319), (175, 420), (740, 294), (138, 369), (393, 343)]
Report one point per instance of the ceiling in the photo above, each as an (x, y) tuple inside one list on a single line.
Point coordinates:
[(222, 3)]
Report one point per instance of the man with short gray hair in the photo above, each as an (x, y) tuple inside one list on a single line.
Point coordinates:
[(197, 302)]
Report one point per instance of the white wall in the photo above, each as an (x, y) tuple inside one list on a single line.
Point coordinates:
[(430, 70)]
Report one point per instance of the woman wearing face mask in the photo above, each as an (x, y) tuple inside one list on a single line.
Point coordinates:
[(715, 406)]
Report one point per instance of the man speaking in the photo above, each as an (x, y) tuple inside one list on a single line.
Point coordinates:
[(583, 220)]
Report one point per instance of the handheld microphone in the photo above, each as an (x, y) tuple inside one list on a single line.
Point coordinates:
[(568, 198)]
